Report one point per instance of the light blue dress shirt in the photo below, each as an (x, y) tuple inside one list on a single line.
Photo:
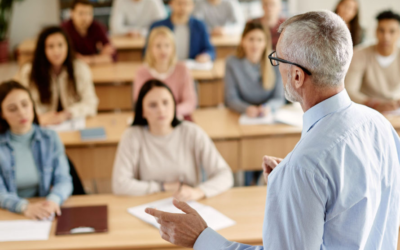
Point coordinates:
[(338, 189)]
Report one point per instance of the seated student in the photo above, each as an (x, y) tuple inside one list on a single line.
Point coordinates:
[(61, 86), (252, 86), (272, 19), (89, 37), (191, 36), (32, 162), (222, 17), (374, 75), (134, 17), (161, 63), (160, 153), (348, 10)]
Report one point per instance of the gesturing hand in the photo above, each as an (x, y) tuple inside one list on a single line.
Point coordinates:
[(179, 229), (268, 164)]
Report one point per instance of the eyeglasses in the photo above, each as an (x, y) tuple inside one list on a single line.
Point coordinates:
[(275, 62)]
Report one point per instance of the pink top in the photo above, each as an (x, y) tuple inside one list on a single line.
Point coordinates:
[(179, 80)]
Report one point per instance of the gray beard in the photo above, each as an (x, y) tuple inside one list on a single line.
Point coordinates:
[(290, 93)]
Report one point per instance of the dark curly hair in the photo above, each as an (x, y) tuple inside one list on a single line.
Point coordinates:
[(388, 15)]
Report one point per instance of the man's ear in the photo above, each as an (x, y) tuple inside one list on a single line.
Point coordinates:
[(298, 77)]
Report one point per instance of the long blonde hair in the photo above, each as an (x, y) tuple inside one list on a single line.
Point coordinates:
[(267, 72), (149, 58)]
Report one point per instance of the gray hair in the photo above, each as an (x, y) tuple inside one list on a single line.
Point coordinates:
[(321, 42)]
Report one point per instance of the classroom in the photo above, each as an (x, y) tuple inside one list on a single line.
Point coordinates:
[(199, 124)]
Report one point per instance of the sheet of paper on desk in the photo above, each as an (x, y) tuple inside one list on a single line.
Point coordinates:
[(24, 230), (290, 117), (214, 219), (245, 120), (71, 125), (192, 64)]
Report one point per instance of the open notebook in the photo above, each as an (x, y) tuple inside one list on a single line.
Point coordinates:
[(214, 218)]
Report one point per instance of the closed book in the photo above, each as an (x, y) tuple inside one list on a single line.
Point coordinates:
[(91, 134), (82, 220)]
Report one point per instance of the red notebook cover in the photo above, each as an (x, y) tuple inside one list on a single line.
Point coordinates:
[(78, 220)]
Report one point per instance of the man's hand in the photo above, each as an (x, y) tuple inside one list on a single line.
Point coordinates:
[(268, 164), (179, 229)]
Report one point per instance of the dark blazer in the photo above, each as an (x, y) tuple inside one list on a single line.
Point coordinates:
[(199, 38)]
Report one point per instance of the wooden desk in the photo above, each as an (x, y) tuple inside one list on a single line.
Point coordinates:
[(131, 49), (113, 84), (128, 232), (240, 147)]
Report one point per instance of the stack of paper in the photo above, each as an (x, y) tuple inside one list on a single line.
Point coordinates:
[(24, 230), (192, 64), (213, 218), (70, 125)]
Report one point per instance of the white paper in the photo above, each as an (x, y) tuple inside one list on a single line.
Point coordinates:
[(213, 218), (192, 64), (290, 114), (290, 117), (24, 230), (70, 125), (245, 120)]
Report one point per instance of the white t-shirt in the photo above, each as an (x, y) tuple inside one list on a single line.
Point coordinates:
[(182, 38), (385, 61)]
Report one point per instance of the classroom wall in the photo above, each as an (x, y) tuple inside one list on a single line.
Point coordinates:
[(369, 9), (29, 17)]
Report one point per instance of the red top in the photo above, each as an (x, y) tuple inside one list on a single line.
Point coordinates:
[(90, 44)]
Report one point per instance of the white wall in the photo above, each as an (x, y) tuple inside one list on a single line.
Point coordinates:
[(368, 10), (29, 17)]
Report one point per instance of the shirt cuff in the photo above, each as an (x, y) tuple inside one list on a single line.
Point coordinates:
[(21, 205), (54, 198), (209, 240)]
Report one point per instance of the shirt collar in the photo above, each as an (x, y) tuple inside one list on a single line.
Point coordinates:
[(37, 136), (322, 109)]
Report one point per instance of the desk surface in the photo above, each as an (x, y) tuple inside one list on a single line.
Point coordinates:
[(129, 43), (128, 232), (218, 123), (123, 72)]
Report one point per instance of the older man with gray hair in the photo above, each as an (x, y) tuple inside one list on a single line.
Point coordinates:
[(340, 186)]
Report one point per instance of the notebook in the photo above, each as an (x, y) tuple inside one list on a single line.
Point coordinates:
[(90, 134), (83, 220)]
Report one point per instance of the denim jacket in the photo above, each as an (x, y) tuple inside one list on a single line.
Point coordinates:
[(49, 155)]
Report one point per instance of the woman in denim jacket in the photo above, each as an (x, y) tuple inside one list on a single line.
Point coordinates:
[(32, 159)]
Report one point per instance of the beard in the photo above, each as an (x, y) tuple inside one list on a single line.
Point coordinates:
[(290, 93)]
